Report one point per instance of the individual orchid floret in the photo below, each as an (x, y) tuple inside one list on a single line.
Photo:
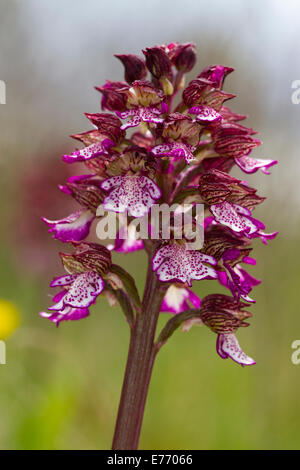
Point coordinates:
[(75, 227), (80, 292), (135, 67), (230, 201), (178, 299), (174, 262), (82, 285), (224, 315), (86, 191), (98, 142), (251, 165), (160, 67), (113, 96), (135, 194)]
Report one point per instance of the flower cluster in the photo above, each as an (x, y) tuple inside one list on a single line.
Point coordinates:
[(143, 150)]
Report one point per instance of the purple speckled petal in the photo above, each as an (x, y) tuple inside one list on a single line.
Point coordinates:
[(126, 114), (92, 151), (228, 346), (205, 114), (68, 313), (140, 114), (237, 218), (75, 227), (63, 280), (174, 149), (251, 165), (83, 291), (174, 262), (226, 214), (137, 194), (133, 122)]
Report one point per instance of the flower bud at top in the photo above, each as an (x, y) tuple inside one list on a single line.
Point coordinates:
[(184, 56), (158, 62), (135, 67)]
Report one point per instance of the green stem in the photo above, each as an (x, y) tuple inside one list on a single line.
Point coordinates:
[(141, 356)]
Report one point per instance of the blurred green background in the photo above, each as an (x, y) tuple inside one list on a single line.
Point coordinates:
[(60, 387)]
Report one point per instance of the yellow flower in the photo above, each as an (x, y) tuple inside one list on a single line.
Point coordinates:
[(9, 318)]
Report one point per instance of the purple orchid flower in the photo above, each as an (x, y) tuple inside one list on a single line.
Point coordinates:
[(135, 194), (173, 262), (180, 154), (224, 315), (72, 304), (237, 218)]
